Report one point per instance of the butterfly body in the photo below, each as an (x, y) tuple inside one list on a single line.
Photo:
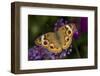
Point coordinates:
[(56, 41)]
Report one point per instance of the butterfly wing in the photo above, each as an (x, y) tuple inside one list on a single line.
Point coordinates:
[(65, 36), (50, 42), (56, 41)]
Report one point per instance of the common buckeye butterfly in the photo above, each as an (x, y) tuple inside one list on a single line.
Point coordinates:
[(57, 41)]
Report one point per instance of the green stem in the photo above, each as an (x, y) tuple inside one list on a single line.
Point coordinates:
[(78, 54)]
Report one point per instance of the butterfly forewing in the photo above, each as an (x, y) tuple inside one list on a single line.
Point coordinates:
[(65, 34)]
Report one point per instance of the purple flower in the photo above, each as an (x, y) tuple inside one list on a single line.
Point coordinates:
[(40, 53), (63, 54), (76, 35), (60, 22), (36, 53)]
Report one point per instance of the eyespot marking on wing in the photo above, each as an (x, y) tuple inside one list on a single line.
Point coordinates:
[(51, 46)]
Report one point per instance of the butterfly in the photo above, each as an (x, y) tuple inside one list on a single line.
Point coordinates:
[(56, 41)]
